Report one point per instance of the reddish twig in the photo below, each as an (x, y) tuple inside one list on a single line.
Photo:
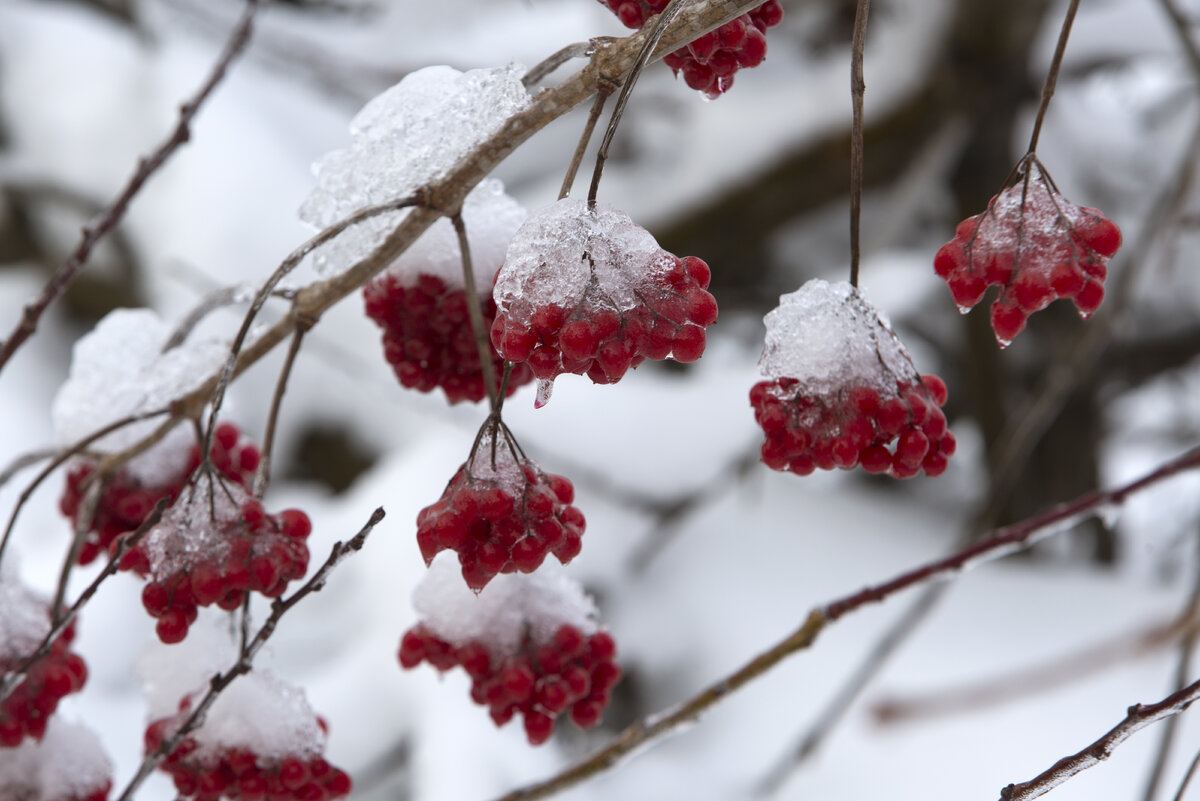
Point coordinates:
[(101, 225), (858, 88)]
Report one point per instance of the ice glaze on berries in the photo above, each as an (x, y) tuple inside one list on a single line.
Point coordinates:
[(571, 673), (500, 513), (24, 622), (126, 502), (213, 548), (709, 62), (841, 391), (427, 336), (1036, 246), (585, 290)]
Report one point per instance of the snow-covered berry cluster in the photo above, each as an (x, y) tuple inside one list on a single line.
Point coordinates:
[(585, 290), (529, 643), (841, 390), (427, 336), (213, 547), (709, 62), (68, 764), (501, 514), (24, 623), (1036, 246), (128, 499)]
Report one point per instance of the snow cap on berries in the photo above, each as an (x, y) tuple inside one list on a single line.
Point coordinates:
[(24, 616), (193, 528), (506, 610), (828, 336), (68, 764), (406, 137), (554, 255), (257, 711), (119, 370)]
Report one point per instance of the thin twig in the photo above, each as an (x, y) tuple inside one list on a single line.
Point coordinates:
[(246, 654), (25, 460), (217, 299), (556, 60), (59, 624), (1052, 75), (103, 223), (263, 476), (858, 88), (1183, 29), (602, 93), (1000, 543), (483, 345), (1187, 777)]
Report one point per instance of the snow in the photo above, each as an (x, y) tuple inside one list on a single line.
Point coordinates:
[(24, 618), (566, 250), (506, 610), (258, 710), (192, 529), (829, 337), (410, 135), (33, 771)]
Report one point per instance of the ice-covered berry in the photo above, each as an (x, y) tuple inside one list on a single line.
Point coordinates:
[(68, 764), (24, 622), (529, 643), (1036, 246), (259, 740), (841, 391), (709, 62), (585, 290), (213, 546), (131, 494), (501, 513)]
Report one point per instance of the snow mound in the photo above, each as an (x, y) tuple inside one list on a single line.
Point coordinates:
[(24, 617), (68, 764)]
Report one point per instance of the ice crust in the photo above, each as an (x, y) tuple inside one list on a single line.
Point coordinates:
[(120, 369), (495, 462), (191, 528), (406, 137), (24, 617), (827, 336), (68, 763), (258, 711), (561, 249), (510, 606)]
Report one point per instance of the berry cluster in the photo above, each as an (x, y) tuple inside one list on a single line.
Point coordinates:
[(501, 514), (126, 502), (1033, 244), (856, 427), (427, 336), (28, 708), (572, 671), (238, 774), (709, 62), (247, 551)]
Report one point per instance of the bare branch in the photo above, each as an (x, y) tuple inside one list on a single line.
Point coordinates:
[(858, 88), (1052, 75), (483, 345)]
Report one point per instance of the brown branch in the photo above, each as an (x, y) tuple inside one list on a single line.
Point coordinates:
[(1001, 542), (483, 344), (1052, 75), (247, 652), (263, 475), (858, 88), (101, 225)]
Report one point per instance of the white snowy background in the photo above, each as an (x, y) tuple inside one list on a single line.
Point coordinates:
[(82, 96)]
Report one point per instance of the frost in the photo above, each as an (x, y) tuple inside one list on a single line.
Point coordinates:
[(257, 711), (510, 607), (24, 618), (828, 336), (69, 763), (410, 135), (119, 370), (565, 250), (193, 528)]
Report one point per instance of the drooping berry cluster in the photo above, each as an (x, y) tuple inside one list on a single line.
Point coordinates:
[(427, 336), (841, 391), (1036, 246), (856, 426), (199, 556), (126, 501), (501, 514), (27, 710), (709, 62), (238, 774), (584, 290)]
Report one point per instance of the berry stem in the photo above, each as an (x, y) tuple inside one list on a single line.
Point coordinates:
[(664, 20), (263, 477), (475, 312), (1052, 75), (858, 88), (556, 60), (102, 225), (602, 93), (247, 652)]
